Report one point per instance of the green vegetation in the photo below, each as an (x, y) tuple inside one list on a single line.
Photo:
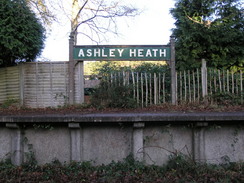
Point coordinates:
[(113, 96), (210, 30), (100, 67), (21, 34), (120, 88), (178, 169), (10, 103), (114, 91)]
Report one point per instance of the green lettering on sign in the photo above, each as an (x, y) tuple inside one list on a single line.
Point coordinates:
[(107, 52)]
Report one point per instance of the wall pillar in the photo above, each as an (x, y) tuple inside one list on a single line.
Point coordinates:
[(16, 143), (75, 142), (138, 141), (199, 142)]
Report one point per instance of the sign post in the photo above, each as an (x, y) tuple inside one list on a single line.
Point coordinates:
[(71, 70), (123, 53)]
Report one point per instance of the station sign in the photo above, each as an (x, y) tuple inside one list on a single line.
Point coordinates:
[(122, 53)]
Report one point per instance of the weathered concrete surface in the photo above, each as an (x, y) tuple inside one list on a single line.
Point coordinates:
[(223, 143), (5, 142), (47, 144), (104, 143), (163, 140), (102, 138), (128, 117)]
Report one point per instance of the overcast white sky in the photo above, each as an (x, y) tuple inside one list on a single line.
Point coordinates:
[(152, 27)]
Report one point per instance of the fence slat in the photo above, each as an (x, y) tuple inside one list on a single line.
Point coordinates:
[(180, 79), (227, 81), (220, 83), (241, 87), (198, 86), (159, 87), (133, 83), (164, 88), (146, 83), (210, 81), (223, 76), (215, 81), (150, 79), (194, 86), (142, 91), (185, 85), (189, 85), (233, 82), (137, 87), (237, 78), (155, 88)]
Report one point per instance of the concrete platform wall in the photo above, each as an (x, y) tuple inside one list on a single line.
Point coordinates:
[(101, 143)]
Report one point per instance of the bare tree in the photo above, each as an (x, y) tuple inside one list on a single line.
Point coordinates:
[(91, 18), (95, 18), (43, 10)]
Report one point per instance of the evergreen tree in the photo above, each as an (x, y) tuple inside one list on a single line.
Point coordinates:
[(210, 30), (21, 34)]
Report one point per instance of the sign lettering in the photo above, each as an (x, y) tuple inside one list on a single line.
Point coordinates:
[(105, 52)]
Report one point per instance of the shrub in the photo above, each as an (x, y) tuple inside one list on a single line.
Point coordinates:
[(179, 168), (113, 96)]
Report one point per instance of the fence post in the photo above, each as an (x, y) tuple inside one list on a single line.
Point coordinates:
[(80, 82), (21, 83), (204, 79), (173, 72)]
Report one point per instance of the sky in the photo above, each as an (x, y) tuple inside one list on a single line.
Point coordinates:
[(152, 27)]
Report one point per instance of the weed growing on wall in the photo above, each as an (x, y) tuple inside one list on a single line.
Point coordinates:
[(30, 158)]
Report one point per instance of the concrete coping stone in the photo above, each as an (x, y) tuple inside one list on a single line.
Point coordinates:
[(125, 117)]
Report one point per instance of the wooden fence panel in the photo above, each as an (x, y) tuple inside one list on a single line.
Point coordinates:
[(9, 83), (37, 84), (45, 84), (3, 85)]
